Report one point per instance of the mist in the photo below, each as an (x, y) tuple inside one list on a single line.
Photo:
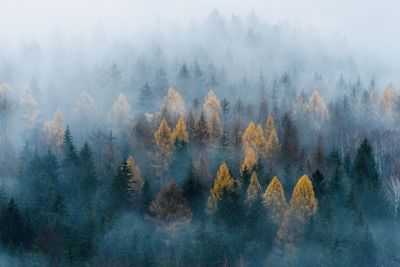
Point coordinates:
[(188, 133)]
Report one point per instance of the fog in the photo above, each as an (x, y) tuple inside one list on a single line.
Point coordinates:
[(199, 133)]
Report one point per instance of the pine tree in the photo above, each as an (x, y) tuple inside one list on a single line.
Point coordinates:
[(120, 188), (146, 98), (319, 153), (290, 142), (319, 183), (87, 170), (193, 191), (201, 131), (70, 154)]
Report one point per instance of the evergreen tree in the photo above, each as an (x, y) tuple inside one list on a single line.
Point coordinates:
[(193, 191), (120, 188)]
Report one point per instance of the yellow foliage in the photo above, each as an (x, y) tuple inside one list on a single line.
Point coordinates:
[(269, 126), (317, 108), (303, 205), (135, 183), (180, 132), (163, 138), (254, 189), (303, 200), (214, 126), (273, 146), (211, 103), (275, 200), (223, 182), (254, 138), (173, 103), (250, 159)]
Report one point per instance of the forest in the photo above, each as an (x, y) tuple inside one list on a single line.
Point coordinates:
[(231, 142)]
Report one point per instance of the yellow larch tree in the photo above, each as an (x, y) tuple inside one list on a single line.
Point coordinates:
[(254, 189), (254, 138), (163, 140), (303, 201), (135, 183), (317, 109), (275, 200), (224, 183), (273, 147), (269, 126), (54, 129), (214, 126), (211, 104), (303, 206), (249, 161), (180, 134), (174, 103)]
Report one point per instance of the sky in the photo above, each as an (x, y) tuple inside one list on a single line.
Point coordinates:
[(366, 24)]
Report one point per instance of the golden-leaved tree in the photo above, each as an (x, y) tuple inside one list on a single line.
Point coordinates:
[(120, 115), (273, 147), (303, 206), (249, 161), (173, 104), (214, 126), (180, 134), (224, 183), (163, 140), (254, 189), (135, 183), (317, 109), (211, 104), (275, 200), (253, 137), (54, 130)]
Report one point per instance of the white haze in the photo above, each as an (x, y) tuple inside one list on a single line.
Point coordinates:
[(368, 25)]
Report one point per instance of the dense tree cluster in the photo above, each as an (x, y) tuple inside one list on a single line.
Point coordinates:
[(194, 161), (70, 203)]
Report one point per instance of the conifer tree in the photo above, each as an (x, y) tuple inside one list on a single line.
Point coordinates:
[(303, 201), (135, 183), (119, 187), (193, 191), (211, 104), (254, 189), (249, 161), (164, 147), (223, 184), (303, 206), (201, 131), (269, 127), (273, 147), (214, 126), (275, 200), (87, 170), (180, 135)]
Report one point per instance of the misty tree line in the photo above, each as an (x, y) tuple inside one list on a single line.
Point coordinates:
[(289, 181)]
